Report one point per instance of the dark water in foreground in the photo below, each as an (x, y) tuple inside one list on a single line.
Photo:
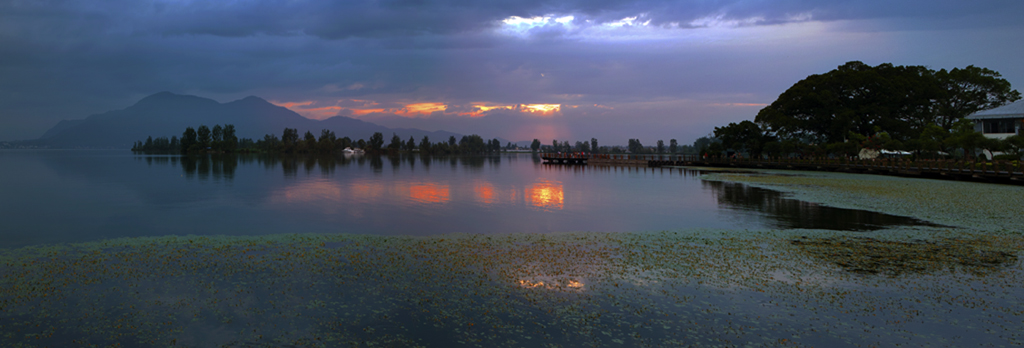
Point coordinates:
[(69, 196)]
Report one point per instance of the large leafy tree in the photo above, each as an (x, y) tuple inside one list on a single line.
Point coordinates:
[(230, 139), (289, 139), (635, 146), (396, 143), (204, 136), (968, 90), (188, 138), (899, 100), (745, 135), (376, 141)]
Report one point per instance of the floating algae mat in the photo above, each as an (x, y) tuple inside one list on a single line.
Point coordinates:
[(869, 255), (689, 288)]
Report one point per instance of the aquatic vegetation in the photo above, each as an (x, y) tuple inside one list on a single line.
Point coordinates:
[(979, 256), (701, 287)]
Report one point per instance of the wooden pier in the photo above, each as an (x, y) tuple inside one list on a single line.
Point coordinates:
[(1005, 172), (565, 158)]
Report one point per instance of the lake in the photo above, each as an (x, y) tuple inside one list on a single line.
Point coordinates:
[(411, 251), (75, 196)]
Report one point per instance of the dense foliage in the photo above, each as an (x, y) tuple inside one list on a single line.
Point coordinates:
[(859, 106)]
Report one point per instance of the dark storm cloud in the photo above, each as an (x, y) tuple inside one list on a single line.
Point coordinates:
[(390, 18)]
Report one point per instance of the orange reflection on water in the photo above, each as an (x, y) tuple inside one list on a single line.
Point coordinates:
[(366, 191), (485, 193), (546, 194), (530, 284), (429, 193), (310, 192), (552, 284)]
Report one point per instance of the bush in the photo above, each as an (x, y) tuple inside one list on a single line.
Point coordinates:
[(1006, 157)]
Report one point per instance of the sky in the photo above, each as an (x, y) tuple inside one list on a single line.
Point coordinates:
[(517, 69)]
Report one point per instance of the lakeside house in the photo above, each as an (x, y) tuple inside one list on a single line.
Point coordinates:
[(1001, 122)]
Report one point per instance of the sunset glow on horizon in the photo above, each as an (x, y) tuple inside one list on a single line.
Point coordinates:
[(309, 109)]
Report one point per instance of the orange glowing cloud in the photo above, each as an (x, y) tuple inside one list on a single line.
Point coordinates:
[(361, 112), (429, 193), (411, 110), (290, 105)]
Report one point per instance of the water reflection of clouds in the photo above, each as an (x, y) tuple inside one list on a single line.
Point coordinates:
[(310, 191), (546, 194), (485, 193), (324, 191), (429, 193), (543, 194)]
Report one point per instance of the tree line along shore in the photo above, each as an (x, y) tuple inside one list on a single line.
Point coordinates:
[(222, 139)]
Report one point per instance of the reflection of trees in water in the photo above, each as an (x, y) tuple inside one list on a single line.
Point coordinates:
[(791, 213), (411, 159), (395, 161), (425, 159), (309, 163), (222, 166), (210, 166), (474, 162), (376, 163)]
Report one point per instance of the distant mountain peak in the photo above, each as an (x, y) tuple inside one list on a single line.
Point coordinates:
[(163, 98), (252, 100)]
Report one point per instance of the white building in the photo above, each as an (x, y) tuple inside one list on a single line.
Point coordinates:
[(1001, 122)]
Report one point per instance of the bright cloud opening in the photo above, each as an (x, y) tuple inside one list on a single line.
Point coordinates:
[(628, 21), (356, 107), (541, 109), (520, 26)]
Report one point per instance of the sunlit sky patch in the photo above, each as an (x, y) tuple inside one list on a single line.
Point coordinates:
[(356, 108)]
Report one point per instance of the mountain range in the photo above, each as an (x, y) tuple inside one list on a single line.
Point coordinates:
[(167, 114)]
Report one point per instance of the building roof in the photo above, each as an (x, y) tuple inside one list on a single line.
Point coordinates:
[(1011, 110)]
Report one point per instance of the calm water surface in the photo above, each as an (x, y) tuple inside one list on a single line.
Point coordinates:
[(72, 196)]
